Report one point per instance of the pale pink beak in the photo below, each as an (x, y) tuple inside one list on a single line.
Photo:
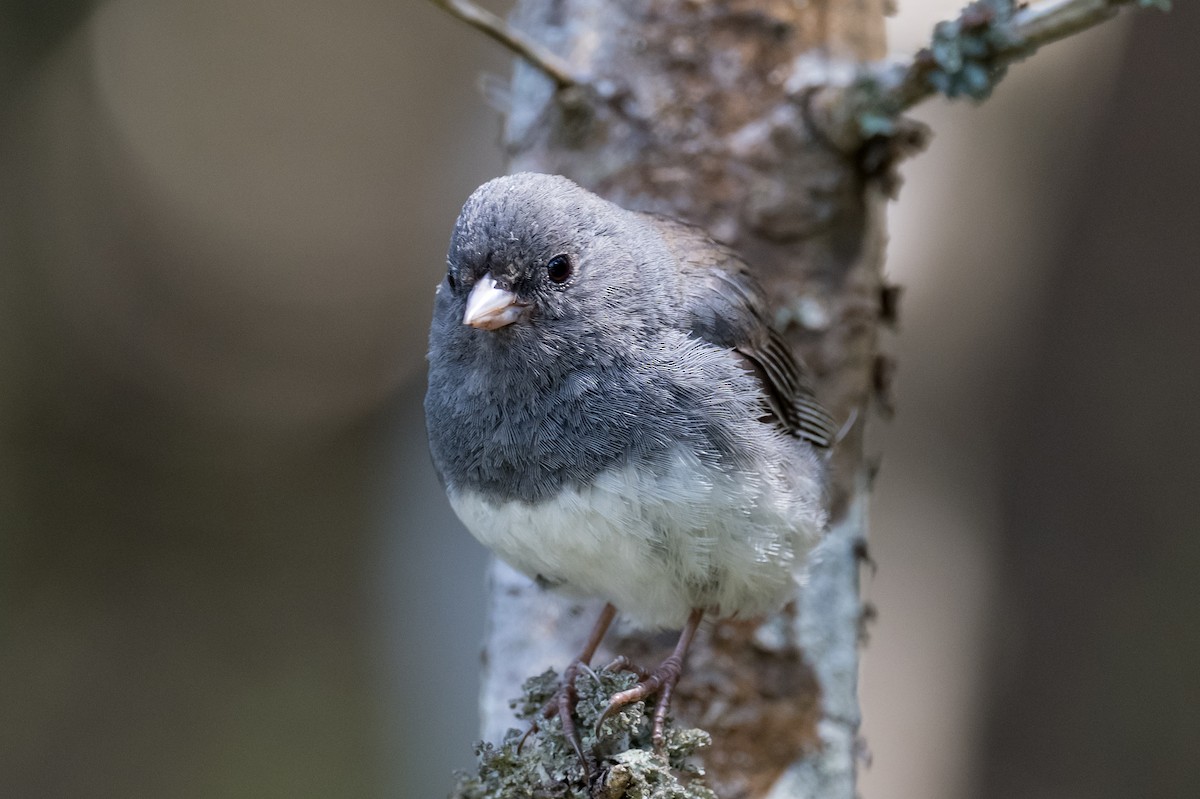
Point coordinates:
[(490, 307)]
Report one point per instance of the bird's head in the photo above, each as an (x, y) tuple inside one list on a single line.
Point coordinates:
[(537, 250)]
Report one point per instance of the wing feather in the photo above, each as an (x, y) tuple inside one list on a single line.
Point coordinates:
[(728, 309)]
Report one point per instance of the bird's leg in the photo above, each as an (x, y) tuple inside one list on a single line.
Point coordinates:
[(566, 695), (563, 701), (661, 681)]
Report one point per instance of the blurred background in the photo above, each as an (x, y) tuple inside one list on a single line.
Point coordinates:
[(226, 569)]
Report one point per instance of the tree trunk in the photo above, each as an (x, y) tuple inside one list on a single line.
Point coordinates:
[(697, 110)]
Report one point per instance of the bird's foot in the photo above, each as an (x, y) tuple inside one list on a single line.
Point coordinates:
[(622, 663), (565, 698), (661, 681), (562, 703)]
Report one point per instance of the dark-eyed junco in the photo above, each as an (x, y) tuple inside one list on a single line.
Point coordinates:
[(612, 414)]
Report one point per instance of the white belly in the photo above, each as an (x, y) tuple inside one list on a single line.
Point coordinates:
[(658, 545)]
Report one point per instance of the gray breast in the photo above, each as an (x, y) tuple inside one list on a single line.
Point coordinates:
[(525, 427)]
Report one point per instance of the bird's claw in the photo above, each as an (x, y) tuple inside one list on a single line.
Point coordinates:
[(533, 727), (622, 663), (563, 703), (662, 682)]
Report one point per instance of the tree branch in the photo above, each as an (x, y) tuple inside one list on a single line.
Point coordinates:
[(967, 56), (483, 20)]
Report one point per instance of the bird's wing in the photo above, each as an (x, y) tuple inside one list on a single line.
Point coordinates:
[(727, 308)]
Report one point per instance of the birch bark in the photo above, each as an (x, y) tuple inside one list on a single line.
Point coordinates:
[(698, 110)]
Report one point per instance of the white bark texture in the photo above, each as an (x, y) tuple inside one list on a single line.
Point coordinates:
[(698, 110)]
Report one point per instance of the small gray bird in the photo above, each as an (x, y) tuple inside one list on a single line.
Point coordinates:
[(612, 414)]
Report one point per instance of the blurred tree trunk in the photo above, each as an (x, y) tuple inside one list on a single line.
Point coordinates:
[(698, 110)]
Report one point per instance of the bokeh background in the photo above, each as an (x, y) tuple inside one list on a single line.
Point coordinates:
[(226, 569)]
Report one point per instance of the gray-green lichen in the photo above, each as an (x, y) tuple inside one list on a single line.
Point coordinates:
[(626, 765), (963, 51), (968, 56)]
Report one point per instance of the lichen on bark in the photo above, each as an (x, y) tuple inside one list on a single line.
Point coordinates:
[(543, 765)]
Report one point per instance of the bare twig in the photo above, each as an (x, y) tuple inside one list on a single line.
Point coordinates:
[(481, 19)]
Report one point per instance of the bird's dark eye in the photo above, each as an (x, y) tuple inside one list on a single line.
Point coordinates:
[(559, 269), (451, 282)]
